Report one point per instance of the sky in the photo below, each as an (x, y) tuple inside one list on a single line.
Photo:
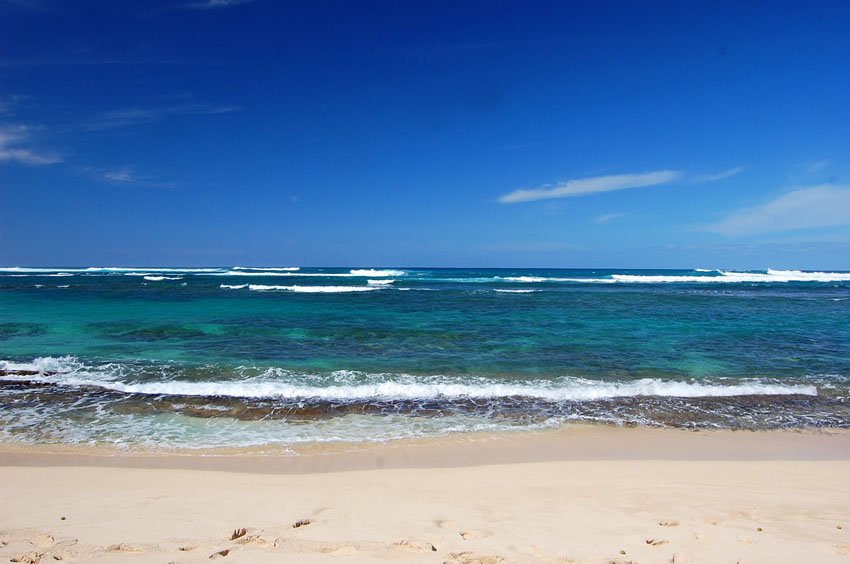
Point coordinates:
[(442, 133)]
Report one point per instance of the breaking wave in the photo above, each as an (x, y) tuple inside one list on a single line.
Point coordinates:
[(346, 385), (313, 289)]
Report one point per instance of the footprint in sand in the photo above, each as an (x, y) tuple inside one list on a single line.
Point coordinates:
[(28, 558), (472, 558), (668, 523), (37, 539), (122, 547), (408, 546), (346, 550), (252, 539), (220, 554), (301, 523)]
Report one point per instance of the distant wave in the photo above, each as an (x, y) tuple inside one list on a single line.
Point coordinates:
[(354, 273), (516, 291), (696, 276), (161, 278), (533, 279), (373, 272), (733, 277), (271, 268), (313, 289), (144, 269), (380, 282), (721, 276), (233, 286), (353, 386)]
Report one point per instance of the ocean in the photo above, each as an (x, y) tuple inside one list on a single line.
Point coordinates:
[(239, 357)]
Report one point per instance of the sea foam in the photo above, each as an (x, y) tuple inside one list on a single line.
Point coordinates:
[(355, 386)]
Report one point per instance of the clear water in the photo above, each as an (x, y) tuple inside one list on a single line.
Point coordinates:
[(234, 356)]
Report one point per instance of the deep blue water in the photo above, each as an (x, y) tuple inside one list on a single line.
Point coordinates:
[(230, 356)]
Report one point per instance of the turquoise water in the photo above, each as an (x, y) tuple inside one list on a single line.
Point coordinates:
[(236, 356)]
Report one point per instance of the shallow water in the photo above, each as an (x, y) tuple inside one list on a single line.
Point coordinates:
[(236, 356)]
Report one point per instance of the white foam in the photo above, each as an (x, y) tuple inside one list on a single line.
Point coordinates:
[(144, 269), (722, 276), (27, 269), (515, 291), (534, 279), (313, 289), (161, 278), (278, 273), (271, 268), (354, 386), (735, 277), (376, 273), (233, 286), (380, 282)]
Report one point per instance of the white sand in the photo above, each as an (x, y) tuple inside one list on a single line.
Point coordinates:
[(579, 495)]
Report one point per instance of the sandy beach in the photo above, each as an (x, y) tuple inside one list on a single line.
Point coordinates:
[(584, 494)]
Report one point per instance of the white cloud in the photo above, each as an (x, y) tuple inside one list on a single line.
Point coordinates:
[(585, 186), (734, 171), (806, 208), (607, 217), (11, 150)]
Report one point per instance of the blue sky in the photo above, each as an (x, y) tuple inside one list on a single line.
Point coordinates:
[(551, 134)]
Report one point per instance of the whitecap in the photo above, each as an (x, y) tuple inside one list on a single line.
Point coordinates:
[(313, 289), (374, 272), (271, 268)]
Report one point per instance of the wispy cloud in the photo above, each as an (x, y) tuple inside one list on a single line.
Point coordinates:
[(213, 4), (608, 217), (13, 147), (722, 175), (806, 208), (122, 176), (593, 185), (136, 116)]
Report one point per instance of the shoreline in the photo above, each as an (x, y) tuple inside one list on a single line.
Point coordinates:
[(579, 442)]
